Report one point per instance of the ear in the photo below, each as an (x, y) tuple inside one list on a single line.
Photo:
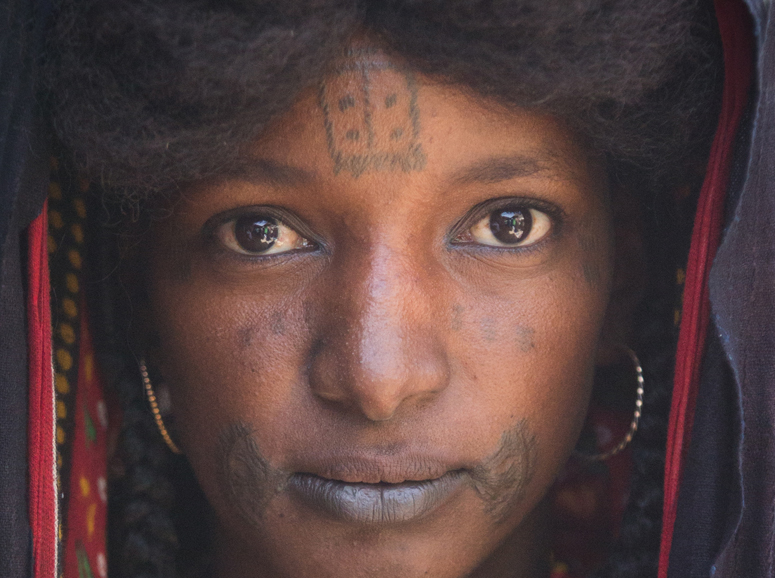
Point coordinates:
[(629, 279)]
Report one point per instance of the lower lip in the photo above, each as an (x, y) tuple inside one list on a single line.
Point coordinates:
[(375, 503)]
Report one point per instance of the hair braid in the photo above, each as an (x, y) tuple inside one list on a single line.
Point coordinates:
[(142, 539), (146, 538)]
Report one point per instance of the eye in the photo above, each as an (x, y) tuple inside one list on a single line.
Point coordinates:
[(258, 234), (515, 226)]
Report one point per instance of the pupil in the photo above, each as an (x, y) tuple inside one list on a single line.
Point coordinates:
[(511, 225), (255, 233)]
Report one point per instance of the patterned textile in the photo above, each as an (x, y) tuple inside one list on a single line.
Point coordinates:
[(82, 435), (86, 515), (65, 248)]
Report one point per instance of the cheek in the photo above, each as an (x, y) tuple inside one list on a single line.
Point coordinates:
[(229, 356), (529, 352), (520, 351)]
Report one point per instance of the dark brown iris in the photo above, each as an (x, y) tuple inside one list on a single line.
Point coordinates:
[(511, 225), (256, 233)]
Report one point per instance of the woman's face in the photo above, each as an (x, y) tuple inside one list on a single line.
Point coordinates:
[(379, 335)]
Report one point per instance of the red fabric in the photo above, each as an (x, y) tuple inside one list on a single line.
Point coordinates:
[(86, 516), (735, 27), (41, 432)]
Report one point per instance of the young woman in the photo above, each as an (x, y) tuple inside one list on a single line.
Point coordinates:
[(368, 258)]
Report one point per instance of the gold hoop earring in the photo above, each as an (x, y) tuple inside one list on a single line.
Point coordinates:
[(151, 395), (635, 416)]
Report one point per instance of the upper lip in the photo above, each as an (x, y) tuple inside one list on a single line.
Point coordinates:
[(374, 503), (374, 469)]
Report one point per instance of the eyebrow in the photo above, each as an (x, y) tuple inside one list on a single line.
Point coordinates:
[(498, 169), (488, 171), (266, 171)]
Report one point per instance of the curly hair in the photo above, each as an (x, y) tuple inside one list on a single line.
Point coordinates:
[(149, 95)]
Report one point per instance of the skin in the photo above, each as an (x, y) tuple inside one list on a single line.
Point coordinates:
[(392, 347)]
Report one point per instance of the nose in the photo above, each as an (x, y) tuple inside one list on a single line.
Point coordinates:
[(380, 347)]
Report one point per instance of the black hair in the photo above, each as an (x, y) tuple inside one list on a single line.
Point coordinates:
[(149, 95)]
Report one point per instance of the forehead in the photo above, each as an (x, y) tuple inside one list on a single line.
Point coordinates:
[(373, 116)]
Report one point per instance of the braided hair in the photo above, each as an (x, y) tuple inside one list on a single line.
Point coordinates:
[(141, 535), (139, 91)]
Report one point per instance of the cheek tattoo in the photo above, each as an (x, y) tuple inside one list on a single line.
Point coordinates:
[(457, 317), (525, 338), (250, 482), (502, 478), (371, 117), (248, 479)]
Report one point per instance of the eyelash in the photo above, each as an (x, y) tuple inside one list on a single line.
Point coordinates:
[(210, 229), (212, 241), (556, 216)]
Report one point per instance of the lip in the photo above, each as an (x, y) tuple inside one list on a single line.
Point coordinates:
[(392, 467), (379, 503)]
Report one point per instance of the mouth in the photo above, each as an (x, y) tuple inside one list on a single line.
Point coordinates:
[(375, 503)]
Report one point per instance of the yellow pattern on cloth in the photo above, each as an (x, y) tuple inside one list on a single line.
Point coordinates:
[(65, 263), (82, 486)]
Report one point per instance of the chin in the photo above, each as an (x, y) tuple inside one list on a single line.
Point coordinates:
[(299, 537)]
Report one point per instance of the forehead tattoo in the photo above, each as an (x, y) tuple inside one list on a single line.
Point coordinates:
[(371, 116)]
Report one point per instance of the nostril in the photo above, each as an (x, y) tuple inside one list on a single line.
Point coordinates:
[(378, 387), (384, 346), (375, 413)]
